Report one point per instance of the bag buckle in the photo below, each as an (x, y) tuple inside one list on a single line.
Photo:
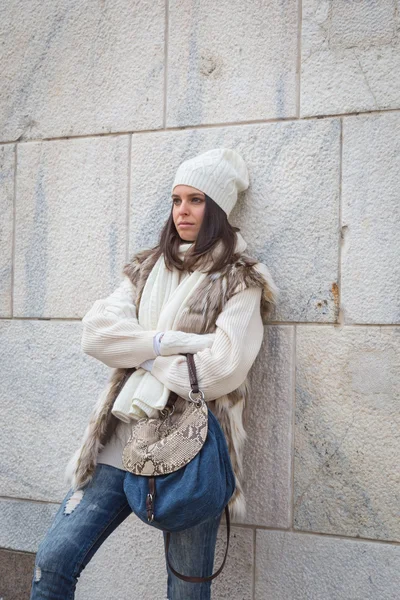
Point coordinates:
[(198, 401), (150, 507), (167, 411)]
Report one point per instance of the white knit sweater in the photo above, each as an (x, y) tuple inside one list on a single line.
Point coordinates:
[(112, 334)]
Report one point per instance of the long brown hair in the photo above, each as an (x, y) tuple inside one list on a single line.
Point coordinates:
[(215, 227)]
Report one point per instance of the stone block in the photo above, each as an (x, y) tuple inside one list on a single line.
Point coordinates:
[(371, 219), (347, 439), (267, 460), (48, 390), (295, 566), (350, 54), (24, 524), (228, 62), (289, 216), (236, 580), (16, 571), (7, 174), (74, 68), (131, 562), (70, 224)]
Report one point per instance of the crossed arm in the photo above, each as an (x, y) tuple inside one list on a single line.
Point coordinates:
[(112, 334)]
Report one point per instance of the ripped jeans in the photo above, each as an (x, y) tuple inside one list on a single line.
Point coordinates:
[(78, 531)]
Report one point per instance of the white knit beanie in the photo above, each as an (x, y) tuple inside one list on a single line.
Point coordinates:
[(220, 173)]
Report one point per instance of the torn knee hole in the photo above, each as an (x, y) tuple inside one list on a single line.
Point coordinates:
[(73, 502), (38, 574)]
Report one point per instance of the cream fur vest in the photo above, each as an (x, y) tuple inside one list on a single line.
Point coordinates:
[(200, 315)]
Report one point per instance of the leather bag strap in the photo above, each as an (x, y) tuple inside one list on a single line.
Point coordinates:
[(210, 577), (192, 374), (195, 388)]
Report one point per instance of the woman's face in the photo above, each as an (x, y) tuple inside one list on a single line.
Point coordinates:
[(188, 207)]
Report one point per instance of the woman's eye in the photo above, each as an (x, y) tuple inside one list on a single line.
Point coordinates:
[(178, 200)]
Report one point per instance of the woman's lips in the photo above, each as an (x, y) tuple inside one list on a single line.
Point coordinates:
[(185, 225)]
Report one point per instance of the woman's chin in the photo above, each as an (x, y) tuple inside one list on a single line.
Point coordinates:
[(186, 239)]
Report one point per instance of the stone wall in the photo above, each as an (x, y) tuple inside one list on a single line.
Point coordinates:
[(100, 101)]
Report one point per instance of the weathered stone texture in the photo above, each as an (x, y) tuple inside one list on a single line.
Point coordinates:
[(296, 566), (347, 440), (228, 62), (7, 173), (48, 390), (371, 219), (16, 570), (23, 524), (73, 68), (267, 460), (131, 563), (289, 215), (236, 580), (70, 224), (350, 55)]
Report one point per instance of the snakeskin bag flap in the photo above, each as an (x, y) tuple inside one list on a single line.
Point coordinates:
[(166, 444)]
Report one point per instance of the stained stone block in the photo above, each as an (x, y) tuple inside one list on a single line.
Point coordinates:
[(16, 570), (350, 55), (73, 68), (288, 216), (347, 439), (70, 224), (371, 219), (48, 390), (7, 161), (24, 524), (228, 62), (294, 566), (267, 461)]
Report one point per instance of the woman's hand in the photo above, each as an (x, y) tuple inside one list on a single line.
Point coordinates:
[(147, 364)]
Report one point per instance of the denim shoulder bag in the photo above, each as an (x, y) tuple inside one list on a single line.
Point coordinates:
[(179, 470)]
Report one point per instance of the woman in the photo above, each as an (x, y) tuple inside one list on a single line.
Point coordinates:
[(195, 292)]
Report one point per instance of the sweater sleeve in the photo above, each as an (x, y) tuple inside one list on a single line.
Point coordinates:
[(224, 366), (111, 331), (113, 335)]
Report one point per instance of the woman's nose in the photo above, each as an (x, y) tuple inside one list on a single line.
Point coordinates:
[(183, 209)]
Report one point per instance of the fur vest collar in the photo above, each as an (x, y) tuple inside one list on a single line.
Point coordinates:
[(199, 316)]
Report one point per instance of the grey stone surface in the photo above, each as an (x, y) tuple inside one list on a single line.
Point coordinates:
[(267, 460), (236, 580), (228, 62), (70, 224), (347, 438), (371, 219), (24, 524), (16, 571), (288, 216), (72, 68), (7, 172), (350, 53), (131, 563), (295, 566), (48, 390)]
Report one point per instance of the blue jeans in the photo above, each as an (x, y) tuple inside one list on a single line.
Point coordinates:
[(78, 531)]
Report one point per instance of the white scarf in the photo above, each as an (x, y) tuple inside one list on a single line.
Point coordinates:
[(162, 302)]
